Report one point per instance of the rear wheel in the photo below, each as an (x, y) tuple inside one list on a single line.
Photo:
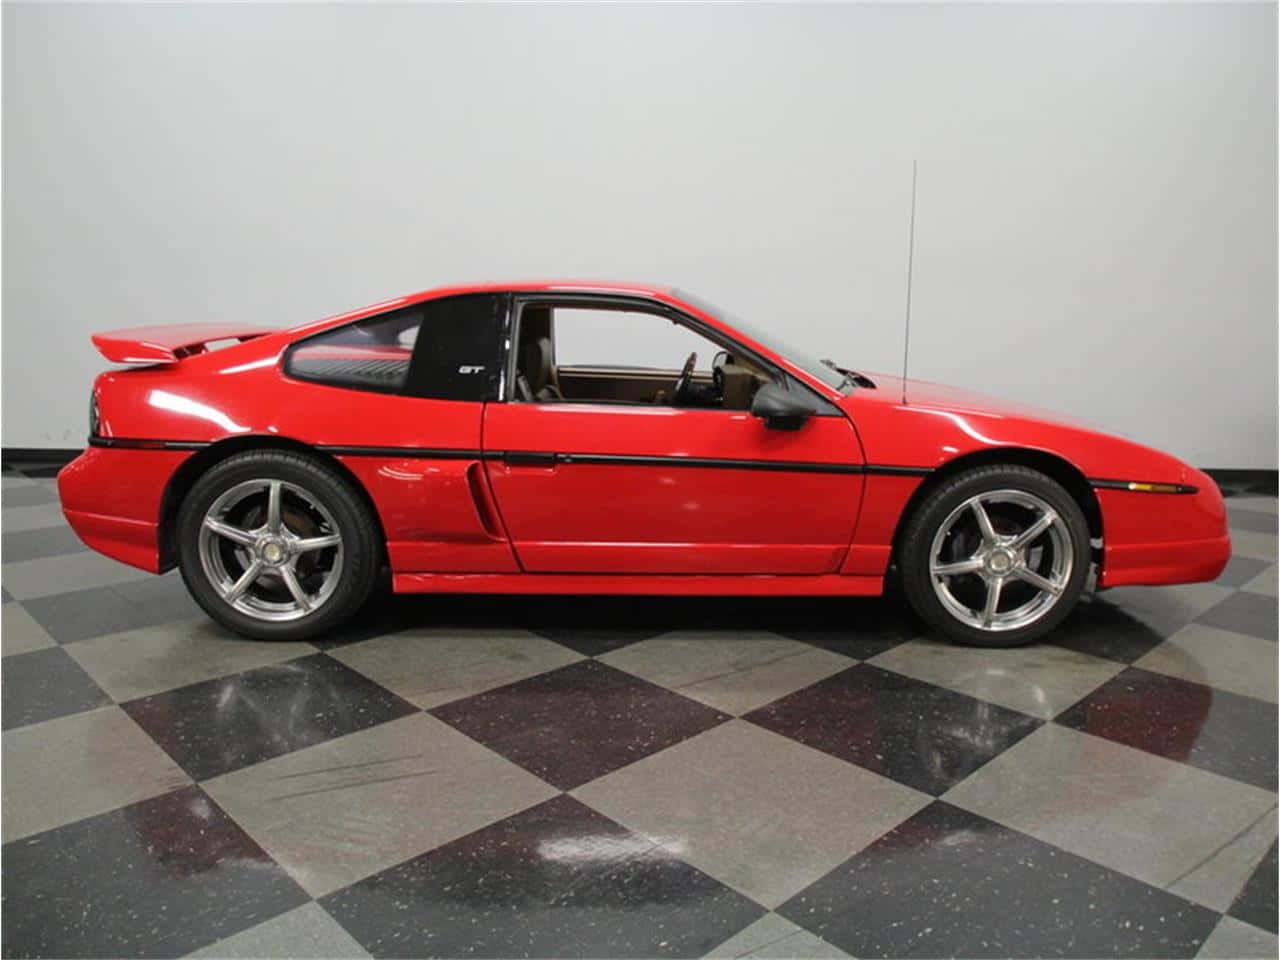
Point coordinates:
[(997, 556), (276, 546)]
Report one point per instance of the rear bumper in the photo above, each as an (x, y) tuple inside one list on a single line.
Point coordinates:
[(1153, 539), (113, 500)]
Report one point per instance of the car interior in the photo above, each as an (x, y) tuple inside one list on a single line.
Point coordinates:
[(729, 382)]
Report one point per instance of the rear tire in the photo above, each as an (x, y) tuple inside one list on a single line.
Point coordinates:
[(996, 556), (276, 545)]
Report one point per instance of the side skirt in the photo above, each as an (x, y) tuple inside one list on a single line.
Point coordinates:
[(822, 585)]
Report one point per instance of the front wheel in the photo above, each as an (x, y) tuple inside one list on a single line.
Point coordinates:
[(996, 557), (276, 546)]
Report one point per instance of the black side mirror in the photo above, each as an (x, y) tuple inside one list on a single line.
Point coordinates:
[(780, 408)]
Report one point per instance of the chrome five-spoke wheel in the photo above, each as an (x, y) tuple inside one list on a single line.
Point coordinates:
[(277, 545), (995, 556), (271, 549), (1000, 560)]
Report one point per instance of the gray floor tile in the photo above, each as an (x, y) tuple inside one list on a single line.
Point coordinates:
[(19, 632), (1248, 543), (1220, 658), (305, 932), (1241, 856), (45, 516), (28, 494), (430, 667), (138, 663), (37, 544), (98, 611), (1256, 521), (1256, 504), (774, 938), (45, 684), (1143, 815), (1168, 609), (74, 767), (12, 481), (53, 575), (1265, 583), (1239, 571), (731, 671), (5, 595), (1040, 680), (339, 811), (1234, 939), (1244, 612), (717, 801)]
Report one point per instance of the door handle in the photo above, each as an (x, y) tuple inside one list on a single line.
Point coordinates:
[(522, 458)]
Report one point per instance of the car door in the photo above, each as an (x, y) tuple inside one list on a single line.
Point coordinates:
[(627, 487)]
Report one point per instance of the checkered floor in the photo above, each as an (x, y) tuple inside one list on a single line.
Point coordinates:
[(632, 777)]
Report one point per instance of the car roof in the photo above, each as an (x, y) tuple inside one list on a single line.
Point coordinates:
[(523, 286)]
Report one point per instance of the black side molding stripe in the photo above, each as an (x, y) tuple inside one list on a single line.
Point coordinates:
[(892, 471), (423, 453), (549, 459), (130, 443), (1142, 486)]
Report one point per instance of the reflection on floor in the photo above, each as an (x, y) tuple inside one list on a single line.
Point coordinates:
[(632, 777)]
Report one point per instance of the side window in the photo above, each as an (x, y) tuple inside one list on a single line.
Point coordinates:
[(584, 353), (445, 349), (370, 354), (625, 338)]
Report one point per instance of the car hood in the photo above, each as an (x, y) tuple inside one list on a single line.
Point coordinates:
[(939, 396)]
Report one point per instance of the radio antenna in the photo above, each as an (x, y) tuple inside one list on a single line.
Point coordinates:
[(911, 250)]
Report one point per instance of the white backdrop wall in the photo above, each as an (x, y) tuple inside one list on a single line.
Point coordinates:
[(1097, 202)]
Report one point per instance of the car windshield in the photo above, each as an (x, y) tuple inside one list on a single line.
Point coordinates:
[(810, 365)]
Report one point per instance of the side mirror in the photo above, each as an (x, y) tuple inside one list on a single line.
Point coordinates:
[(779, 408)]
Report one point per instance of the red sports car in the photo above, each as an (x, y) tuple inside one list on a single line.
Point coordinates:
[(537, 438)]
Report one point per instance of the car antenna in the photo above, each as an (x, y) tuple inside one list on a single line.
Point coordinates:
[(911, 250)]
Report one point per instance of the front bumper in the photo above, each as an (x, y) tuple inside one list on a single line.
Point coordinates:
[(1154, 539)]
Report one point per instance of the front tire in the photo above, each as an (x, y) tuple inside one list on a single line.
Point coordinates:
[(996, 556), (276, 546)]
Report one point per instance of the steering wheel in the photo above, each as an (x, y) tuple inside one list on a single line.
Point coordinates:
[(681, 390)]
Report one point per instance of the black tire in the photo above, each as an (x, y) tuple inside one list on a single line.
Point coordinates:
[(932, 512), (361, 549)]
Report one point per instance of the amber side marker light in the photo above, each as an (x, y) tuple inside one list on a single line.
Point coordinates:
[(1156, 487)]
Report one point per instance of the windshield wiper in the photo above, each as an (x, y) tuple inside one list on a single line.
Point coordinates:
[(851, 377)]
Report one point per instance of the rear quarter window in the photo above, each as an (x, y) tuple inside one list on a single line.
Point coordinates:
[(447, 349)]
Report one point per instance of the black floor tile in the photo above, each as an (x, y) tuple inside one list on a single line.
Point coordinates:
[(159, 878), (914, 732), (579, 722), (1251, 520), (35, 544), (220, 725), (1101, 628), (1256, 903), (1240, 570), (1244, 612), (31, 496), (1207, 728), (84, 614), (45, 684), (557, 880), (947, 883)]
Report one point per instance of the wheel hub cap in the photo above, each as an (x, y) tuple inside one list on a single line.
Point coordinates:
[(273, 552), (1000, 562)]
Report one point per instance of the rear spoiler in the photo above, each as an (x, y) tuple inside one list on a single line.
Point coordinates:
[(169, 344)]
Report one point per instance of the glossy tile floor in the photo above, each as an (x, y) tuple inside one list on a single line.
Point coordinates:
[(615, 778)]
